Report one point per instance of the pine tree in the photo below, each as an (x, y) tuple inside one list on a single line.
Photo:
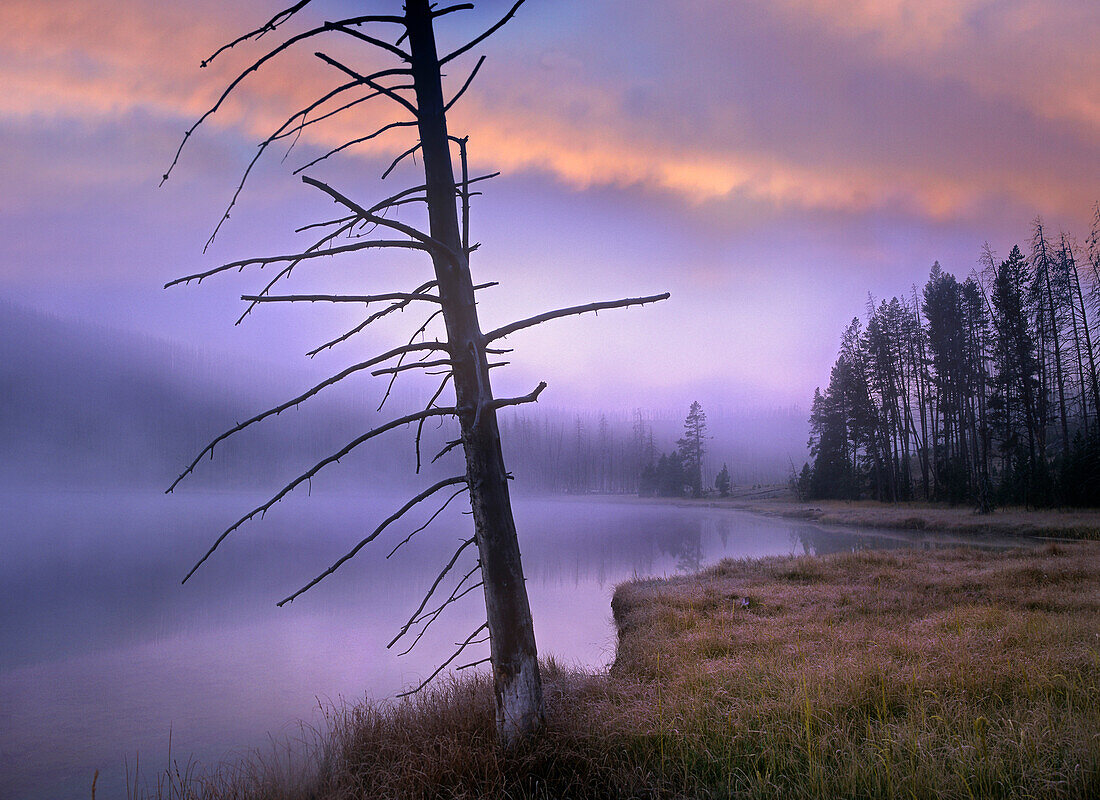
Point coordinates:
[(692, 449), (722, 482)]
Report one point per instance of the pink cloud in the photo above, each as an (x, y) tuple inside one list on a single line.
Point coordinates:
[(93, 60)]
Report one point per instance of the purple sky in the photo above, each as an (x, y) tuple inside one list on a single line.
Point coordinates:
[(768, 162)]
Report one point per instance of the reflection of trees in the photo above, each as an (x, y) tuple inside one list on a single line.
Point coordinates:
[(822, 541), (724, 526), (683, 541), (819, 541)]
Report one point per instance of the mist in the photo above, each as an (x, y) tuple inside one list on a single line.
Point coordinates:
[(91, 406)]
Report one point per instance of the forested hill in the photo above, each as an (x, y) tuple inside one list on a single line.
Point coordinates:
[(85, 405), (984, 390)]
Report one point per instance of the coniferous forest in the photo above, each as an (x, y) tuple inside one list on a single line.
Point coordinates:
[(980, 391)]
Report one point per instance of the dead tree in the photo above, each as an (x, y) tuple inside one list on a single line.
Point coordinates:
[(415, 86)]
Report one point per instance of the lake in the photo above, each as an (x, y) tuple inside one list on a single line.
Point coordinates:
[(104, 655)]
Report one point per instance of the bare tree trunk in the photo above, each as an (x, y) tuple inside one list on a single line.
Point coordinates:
[(1055, 333), (516, 680), (1078, 300)]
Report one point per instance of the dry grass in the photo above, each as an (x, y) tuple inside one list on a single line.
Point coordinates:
[(958, 674), (953, 673), (1069, 524)]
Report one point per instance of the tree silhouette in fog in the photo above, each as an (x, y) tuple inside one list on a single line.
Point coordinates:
[(984, 390), (722, 482), (692, 449)]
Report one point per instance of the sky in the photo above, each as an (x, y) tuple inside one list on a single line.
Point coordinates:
[(767, 162)]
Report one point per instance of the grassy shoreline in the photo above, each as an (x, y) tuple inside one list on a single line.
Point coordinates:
[(951, 673), (911, 516)]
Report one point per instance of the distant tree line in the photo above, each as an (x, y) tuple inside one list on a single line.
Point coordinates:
[(579, 453), (983, 391), (680, 472), (598, 453)]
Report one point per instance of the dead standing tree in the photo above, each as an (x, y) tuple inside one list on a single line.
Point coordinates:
[(416, 87)]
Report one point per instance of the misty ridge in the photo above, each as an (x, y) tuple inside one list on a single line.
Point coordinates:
[(91, 407)]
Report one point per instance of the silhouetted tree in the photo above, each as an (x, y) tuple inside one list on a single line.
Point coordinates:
[(722, 482), (692, 449), (803, 484), (970, 383), (671, 475), (461, 355), (649, 481), (1015, 411), (837, 430)]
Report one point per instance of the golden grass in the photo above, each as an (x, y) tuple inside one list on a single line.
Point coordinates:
[(952, 673)]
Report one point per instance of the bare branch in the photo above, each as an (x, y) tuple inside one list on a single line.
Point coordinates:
[(407, 201), (456, 594), (448, 369), (339, 298), (397, 51), (326, 223), (465, 193), (268, 26), (571, 311), (390, 93), (281, 131), (400, 360), (285, 271), (378, 18), (451, 445), (253, 68), (451, 9), (443, 666), (431, 519), (431, 591), (478, 40), (297, 129), (533, 397), (388, 127), (400, 227), (466, 85), (420, 425), (375, 533), (397, 351), (373, 317), (264, 261), (485, 660), (406, 192), (399, 159), (446, 362), (308, 474), (434, 615)]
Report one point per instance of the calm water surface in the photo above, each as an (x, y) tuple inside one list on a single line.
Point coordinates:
[(103, 653)]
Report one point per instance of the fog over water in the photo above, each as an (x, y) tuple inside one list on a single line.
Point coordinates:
[(103, 652)]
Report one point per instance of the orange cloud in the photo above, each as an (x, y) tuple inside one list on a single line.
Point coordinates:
[(92, 60)]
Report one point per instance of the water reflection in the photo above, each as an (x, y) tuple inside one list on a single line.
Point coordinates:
[(815, 540), (102, 652)]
